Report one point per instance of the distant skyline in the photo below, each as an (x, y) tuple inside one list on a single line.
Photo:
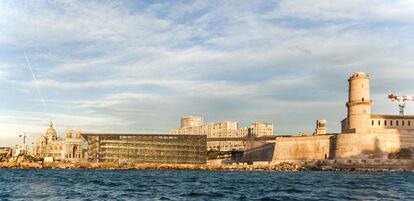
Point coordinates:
[(138, 66)]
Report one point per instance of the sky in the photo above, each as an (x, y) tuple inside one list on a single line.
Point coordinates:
[(138, 66)]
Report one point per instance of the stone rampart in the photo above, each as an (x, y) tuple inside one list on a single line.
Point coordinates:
[(303, 148), (258, 151), (377, 143)]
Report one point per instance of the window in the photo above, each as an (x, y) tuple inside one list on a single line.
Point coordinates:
[(379, 122), (409, 123), (402, 123), (396, 123), (385, 122), (372, 122), (362, 99), (391, 123)]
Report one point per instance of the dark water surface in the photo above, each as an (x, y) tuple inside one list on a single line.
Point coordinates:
[(202, 185)]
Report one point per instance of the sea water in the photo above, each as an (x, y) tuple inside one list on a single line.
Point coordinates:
[(17, 184)]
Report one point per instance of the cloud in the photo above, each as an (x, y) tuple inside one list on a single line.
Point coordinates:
[(395, 11), (138, 66)]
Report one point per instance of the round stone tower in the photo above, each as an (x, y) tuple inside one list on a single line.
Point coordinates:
[(359, 102)]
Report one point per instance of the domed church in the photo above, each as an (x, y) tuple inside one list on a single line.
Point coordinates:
[(52, 146)]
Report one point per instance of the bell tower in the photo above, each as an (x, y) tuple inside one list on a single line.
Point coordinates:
[(359, 102)]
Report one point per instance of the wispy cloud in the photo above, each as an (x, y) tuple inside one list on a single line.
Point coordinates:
[(138, 66)]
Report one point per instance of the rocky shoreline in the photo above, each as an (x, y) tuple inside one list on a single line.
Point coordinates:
[(114, 166), (286, 166)]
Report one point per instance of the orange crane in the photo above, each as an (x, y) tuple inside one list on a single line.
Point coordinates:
[(401, 101)]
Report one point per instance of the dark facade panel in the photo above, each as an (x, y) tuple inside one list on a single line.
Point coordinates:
[(148, 148)]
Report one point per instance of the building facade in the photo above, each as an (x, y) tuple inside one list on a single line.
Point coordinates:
[(191, 121), (63, 149), (222, 136), (261, 129), (147, 148)]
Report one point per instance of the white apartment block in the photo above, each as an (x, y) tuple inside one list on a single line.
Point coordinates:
[(225, 130)]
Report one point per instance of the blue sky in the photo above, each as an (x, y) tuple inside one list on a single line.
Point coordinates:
[(137, 66)]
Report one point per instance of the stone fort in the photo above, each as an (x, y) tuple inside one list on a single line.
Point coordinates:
[(363, 135)]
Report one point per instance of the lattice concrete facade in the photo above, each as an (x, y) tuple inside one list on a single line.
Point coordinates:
[(147, 148)]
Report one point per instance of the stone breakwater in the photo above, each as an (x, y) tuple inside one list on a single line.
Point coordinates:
[(114, 166)]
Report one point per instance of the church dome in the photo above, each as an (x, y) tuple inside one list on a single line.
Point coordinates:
[(51, 132)]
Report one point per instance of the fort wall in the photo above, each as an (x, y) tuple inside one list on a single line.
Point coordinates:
[(367, 145), (258, 151), (302, 148), (377, 143)]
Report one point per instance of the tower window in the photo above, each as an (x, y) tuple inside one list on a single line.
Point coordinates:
[(391, 122), (385, 122), (379, 122), (396, 123), (362, 99), (372, 122), (409, 123), (403, 123)]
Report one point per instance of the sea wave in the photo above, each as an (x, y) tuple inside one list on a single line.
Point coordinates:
[(46, 184)]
